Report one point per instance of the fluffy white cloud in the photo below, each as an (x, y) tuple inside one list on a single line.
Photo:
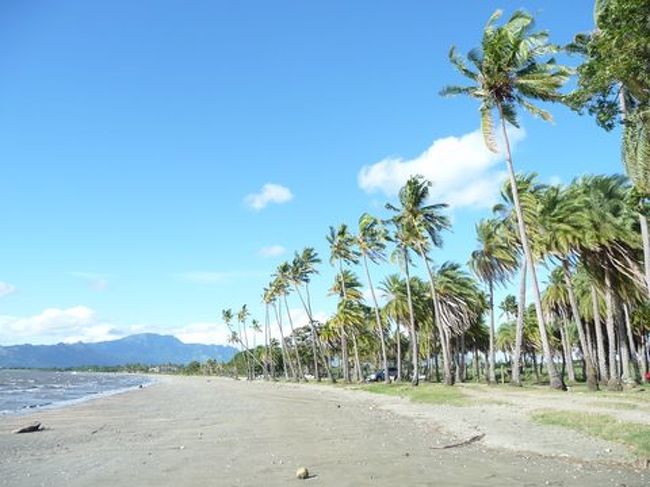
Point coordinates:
[(208, 333), (57, 325), (81, 323), (6, 288), (272, 251), (464, 172), (96, 282), (270, 193)]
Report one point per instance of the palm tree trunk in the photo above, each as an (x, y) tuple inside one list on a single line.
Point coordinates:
[(315, 341), (357, 362), (344, 338), (266, 342), (492, 379), (444, 339), (249, 367), (414, 339), (646, 249), (554, 378), (285, 356), (301, 375), (398, 341), (614, 382), (636, 362), (380, 328), (519, 333), (600, 341), (566, 346), (590, 363), (624, 352), (463, 353)]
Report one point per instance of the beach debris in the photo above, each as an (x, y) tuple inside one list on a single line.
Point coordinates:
[(461, 443), (302, 473), (36, 426)]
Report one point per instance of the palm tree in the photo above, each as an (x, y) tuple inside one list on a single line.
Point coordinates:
[(342, 253), (283, 277), (303, 267), (493, 263), (371, 242), (418, 222), (348, 288), (404, 241), (396, 308), (565, 222), (509, 72), (242, 316), (276, 290), (555, 300)]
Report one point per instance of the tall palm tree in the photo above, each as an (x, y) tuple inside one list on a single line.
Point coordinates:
[(509, 72), (565, 222), (342, 253), (395, 309), (348, 288), (418, 224), (242, 316), (276, 290), (404, 241), (283, 278), (493, 263), (555, 300), (303, 267), (371, 242)]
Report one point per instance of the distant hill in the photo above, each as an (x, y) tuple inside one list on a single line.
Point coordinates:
[(144, 348)]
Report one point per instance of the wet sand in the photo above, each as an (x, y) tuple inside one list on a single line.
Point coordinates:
[(205, 431)]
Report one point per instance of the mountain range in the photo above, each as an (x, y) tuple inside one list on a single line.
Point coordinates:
[(143, 348)]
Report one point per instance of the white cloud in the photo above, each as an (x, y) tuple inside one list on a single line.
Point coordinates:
[(81, 323), (270, 193), (96, 282), (272, 251), (208, 333), (6, 289), (57, 325), (464, 172)]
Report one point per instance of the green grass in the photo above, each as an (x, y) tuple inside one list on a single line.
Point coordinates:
[(606, 404), (633, 435), (425, 393)]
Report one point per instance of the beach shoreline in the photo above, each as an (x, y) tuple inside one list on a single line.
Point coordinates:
[(215, 431)]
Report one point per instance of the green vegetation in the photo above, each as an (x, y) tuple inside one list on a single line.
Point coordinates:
[(634, 435), (427, 393), (432, 320)]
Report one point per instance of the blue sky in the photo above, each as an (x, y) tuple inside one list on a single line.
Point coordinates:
[(133, 133)]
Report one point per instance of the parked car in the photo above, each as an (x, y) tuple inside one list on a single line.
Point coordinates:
[(379, 376)]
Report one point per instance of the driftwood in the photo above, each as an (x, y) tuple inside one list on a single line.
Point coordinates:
[(30, 429), (462, 443)]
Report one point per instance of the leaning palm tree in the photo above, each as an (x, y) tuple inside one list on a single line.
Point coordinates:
[(371, 242), (303, 267), (283, 278), (242, 316), (566, 229), (418, 223), (342, 253), (493, 263), (509, 71)]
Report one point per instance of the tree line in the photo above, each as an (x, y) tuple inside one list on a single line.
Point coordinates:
[(591, 235)]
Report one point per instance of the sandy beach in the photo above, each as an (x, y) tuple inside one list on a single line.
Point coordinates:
[(207, 431)]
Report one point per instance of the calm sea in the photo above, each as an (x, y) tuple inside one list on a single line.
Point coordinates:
[(23, 391)]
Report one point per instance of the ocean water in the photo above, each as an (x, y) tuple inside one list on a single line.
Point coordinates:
[(23, 391)]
